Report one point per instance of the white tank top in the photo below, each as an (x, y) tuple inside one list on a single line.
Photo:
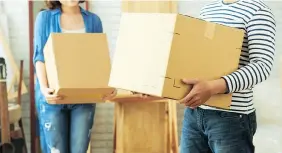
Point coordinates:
[(73, 31)]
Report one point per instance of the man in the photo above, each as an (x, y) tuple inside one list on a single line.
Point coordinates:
[(211, 130)]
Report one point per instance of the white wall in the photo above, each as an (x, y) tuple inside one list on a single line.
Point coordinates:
[(268, 95), (17, 12)]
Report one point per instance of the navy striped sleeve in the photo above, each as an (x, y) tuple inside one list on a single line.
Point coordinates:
[(261, 30)]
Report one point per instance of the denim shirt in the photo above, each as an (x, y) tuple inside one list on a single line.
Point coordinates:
[(48, 21)]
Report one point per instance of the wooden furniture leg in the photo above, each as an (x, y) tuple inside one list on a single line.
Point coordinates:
[(6, 146), (19, 103)]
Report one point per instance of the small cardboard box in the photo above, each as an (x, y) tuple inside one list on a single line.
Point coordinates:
[(154, 51), (78, 66)]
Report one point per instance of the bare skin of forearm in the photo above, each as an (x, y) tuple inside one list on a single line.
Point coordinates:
[(41, 74), (218, 86)]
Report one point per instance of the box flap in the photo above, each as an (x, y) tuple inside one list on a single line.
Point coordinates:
[(82, 60), (204, 51), (147, 52), (50, 63), (78, 65), (173, 86)]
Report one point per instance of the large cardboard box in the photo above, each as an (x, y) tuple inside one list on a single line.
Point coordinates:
[(154, 51), (78, 66)]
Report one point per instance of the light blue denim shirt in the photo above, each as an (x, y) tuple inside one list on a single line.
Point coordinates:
[(48, 21)]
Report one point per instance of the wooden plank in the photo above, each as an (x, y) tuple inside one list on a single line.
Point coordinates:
[(4, 111), (116, 109), (139, 124), (119, 128), (5, 124), (33, 137), (174, 128), (168, 125)]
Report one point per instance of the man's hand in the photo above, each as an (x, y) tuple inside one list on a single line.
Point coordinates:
[(202, 91), (49, 95)]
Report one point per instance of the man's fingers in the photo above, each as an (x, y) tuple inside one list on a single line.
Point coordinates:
[(188, 97), (190, 81), (190, 102), (195, 102)]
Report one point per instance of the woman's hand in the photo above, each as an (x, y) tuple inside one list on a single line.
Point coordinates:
[(110, 96), (202, 91), (141, 95), (49, 94)]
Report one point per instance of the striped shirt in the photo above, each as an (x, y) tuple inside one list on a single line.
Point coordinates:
[(258, 49)]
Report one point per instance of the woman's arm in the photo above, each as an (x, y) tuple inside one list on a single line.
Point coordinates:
[(39, 42), (98, 24), (41, 74)]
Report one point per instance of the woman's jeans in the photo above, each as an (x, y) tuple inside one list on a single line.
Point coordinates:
[(210, 131), (64, 128)]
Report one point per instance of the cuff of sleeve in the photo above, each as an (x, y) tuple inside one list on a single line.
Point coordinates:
[(38, 58), (228, 84)]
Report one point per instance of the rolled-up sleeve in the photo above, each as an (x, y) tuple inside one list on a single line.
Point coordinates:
[(39, 38)]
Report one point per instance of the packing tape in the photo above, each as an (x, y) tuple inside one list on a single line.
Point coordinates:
[(210, 30)]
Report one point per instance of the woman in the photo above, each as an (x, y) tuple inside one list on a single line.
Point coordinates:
[(64, 128)]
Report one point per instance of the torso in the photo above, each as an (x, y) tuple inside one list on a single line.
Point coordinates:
[(52, 21), (72, 22), (236, 14)]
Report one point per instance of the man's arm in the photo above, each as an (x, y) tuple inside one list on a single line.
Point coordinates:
[(261, 30)]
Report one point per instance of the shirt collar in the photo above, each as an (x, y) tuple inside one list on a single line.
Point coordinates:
[(58, 10)]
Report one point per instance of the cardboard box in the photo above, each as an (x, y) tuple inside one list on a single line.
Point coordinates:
[(78, 66), (154, 51)]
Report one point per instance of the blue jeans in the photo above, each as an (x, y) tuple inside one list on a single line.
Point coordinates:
[(209, 131), (64, 128)]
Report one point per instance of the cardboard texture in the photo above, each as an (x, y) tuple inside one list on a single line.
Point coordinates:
[(78, 66), (152, 58)]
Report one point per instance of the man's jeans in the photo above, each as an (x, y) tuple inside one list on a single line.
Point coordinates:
[(64, 128), (210, 131)]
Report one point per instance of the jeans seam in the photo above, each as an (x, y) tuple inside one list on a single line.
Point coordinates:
[(200, 120)]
